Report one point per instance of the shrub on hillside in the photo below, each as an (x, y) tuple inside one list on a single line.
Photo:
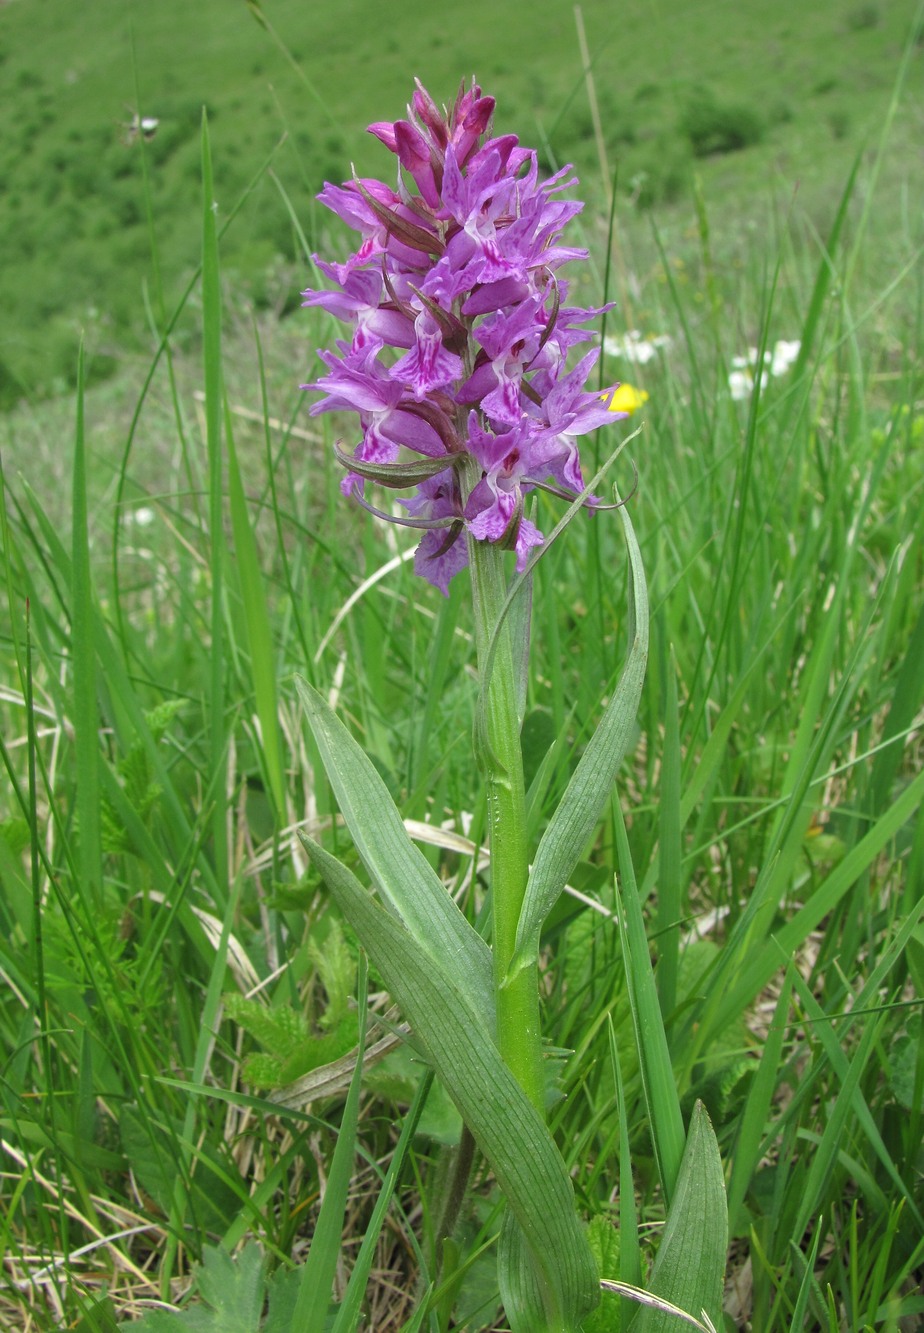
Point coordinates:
[(666, 173), (713, 126)]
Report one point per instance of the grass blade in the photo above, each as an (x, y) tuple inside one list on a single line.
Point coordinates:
[(211, 343), (350, 1307), (669, 852), (86, 725), (310, 1314), (691, 1257), (257, 623), (654, 1059)]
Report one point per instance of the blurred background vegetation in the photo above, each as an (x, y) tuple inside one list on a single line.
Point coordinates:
[(749, 100)]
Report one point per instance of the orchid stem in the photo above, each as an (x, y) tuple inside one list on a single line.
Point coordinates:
[(501, 760)]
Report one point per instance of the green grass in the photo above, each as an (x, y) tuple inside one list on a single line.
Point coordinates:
[(802, 89), (168, 566)]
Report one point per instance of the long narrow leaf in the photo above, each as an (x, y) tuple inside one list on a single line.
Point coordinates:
[(669, 851), (630, 1263), (257, 622), (749, 1145), (507, 1128), (586, 795), (400, 870), (211, 350), (823, 901), (350, 1307), (691, 1258), (654, 1058), (86, 726)]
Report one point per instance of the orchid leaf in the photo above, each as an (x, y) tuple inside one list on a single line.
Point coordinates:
[(521, 1286), (506, 1126), (400, 871), (524, 583), (690, 1265), (577, 814)]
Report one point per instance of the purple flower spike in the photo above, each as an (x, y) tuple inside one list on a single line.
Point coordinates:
[(460, 338)]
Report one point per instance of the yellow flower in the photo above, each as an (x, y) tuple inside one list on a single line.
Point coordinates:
[(627, 399)]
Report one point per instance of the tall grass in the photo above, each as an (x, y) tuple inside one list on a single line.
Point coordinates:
[(766, 830)]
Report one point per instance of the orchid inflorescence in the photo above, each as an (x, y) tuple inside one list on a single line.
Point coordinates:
[(460, 282)]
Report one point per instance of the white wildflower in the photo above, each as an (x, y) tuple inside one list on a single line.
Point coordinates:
[(634, 348)]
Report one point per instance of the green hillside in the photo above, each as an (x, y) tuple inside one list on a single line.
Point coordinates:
[(760, 97)]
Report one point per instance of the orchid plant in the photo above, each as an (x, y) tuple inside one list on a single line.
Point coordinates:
[(458, 365)]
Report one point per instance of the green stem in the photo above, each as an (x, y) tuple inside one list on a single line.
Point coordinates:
[(501, 760), (455, 1194)]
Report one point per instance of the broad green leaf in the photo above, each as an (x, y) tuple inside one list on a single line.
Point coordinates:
[(508, 1129), (580, 808), (690, 1266), (399, 869), (156, 1321), (521, 1284)]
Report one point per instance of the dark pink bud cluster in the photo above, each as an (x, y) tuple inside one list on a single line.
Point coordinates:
[(460, 332)]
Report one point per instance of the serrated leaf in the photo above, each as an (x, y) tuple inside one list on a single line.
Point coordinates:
[(234, 1288), (690, 1265), (508, 1129), (281, 1029), (335, 967), (231, 1291), (156, 1321), (580, 808), (283, 1295)]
